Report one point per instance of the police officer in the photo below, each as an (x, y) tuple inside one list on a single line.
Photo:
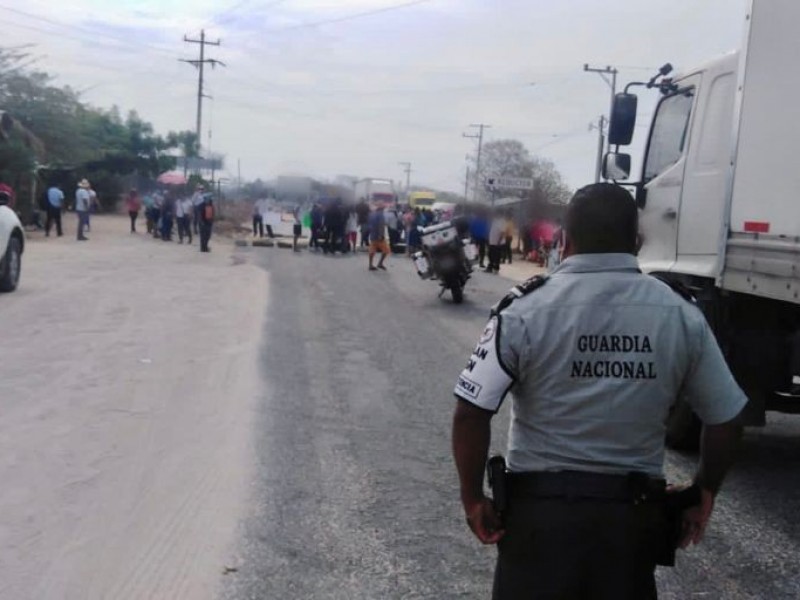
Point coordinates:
[(594, 356)]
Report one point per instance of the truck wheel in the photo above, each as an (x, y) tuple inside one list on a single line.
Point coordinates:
[(458, 293), (683, 428), (12, 265)]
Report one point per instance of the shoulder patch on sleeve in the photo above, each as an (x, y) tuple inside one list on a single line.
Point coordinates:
[(682, 290), (519, 291), (485, 381)]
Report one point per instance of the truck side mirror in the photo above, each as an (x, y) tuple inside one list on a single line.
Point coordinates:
[(623, 119), (617, 166)]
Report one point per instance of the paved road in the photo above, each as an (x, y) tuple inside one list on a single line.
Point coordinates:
[(137, 432), (356, 495)]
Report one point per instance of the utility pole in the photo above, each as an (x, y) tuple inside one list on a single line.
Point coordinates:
[(239, 178), (466, 184), (479, 136), (601, 141), (407, 171), (612, 83), (200, 64)]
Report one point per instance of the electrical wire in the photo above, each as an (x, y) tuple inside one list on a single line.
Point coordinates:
[(225, 16), (72, 27), (261, 86), (351, 17), (219, 17)]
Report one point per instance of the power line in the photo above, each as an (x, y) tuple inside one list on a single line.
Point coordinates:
[(70, 26), (225, 16), (101, 67), (262, 86), (351, 17), (558, 138), (219, 17), (7, 23)]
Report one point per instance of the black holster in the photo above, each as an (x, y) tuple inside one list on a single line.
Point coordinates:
[(497, 476), (674, 505)]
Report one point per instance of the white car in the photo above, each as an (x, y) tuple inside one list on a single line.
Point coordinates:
[(12, 243)]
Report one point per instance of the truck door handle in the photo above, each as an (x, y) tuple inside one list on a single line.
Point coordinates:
[(670, 214)]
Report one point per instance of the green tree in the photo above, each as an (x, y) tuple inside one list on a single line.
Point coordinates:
[(510, 158), (76, 137)]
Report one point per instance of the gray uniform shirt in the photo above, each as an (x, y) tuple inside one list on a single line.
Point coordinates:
[(82, 200), (594, 359)]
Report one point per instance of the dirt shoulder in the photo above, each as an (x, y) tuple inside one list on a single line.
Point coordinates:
[(128, 379)]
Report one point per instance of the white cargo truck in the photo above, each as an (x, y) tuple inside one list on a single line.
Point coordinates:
[(375, 190), (720, 202)]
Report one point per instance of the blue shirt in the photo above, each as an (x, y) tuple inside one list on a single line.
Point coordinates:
[(377, 226), (479, 229), (55, 197)]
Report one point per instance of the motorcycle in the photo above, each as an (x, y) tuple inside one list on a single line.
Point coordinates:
[(446, 258)]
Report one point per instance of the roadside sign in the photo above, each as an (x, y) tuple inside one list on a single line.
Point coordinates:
[(509, 183), (510, 201), (195, 163)]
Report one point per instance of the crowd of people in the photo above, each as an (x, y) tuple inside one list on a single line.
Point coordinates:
[(335, 227), (174, 211), (54, 202), (167, 212), (338, 228)]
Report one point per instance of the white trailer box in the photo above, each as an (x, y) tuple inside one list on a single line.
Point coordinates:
[(375, 190), (763, 249)]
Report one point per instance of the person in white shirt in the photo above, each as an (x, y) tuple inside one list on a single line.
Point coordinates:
[(259, 210), (184, 209), (83, 200), (393, 228), (496, 238), (352, 230), (198, 198), (93, 204)]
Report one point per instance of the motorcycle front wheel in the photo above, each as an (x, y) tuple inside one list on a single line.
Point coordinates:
[(457, 291)]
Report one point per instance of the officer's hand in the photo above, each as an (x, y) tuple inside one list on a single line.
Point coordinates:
[(695, 520), (483, 521)]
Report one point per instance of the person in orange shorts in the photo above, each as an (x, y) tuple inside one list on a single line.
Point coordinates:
[(377, 239)]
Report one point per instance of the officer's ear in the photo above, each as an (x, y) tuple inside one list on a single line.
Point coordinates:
[(639, 243), (569, 247)]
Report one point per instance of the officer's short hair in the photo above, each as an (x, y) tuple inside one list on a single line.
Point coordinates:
[(602, 217)]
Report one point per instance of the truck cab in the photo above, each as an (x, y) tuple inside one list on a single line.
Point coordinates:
[(686, 170)]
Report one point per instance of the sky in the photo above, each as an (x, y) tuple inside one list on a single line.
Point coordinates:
[(330, 87)]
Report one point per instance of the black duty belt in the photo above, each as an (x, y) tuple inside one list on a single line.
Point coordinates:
[(574, 485)]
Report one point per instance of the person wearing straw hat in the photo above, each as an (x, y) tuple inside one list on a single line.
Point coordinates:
[(83, 201)]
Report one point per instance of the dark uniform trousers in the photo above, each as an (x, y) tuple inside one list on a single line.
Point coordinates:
[(578, 549), (53, 216), (205, 234)]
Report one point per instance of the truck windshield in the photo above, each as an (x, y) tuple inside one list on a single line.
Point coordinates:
[(668, 137)]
